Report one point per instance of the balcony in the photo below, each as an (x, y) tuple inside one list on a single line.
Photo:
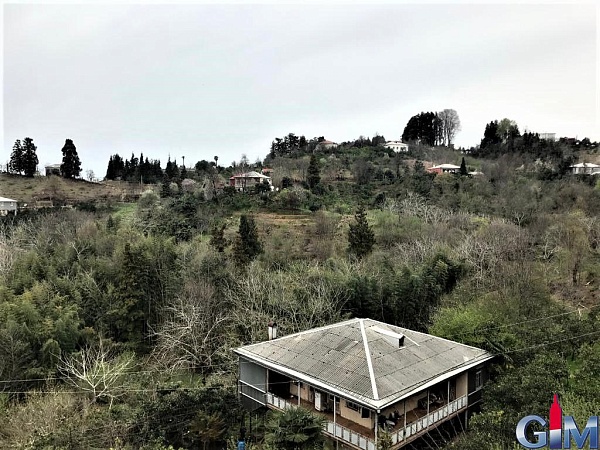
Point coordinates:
[(364, 440)]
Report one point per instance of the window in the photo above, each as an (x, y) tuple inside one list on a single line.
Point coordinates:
[(353, 406), (478, 380)]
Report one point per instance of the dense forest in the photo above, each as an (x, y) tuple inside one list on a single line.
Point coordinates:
[(117, 320)]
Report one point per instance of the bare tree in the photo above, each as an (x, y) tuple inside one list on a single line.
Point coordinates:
[(98, 371), (90, 175), (191, 335), (450, 125)]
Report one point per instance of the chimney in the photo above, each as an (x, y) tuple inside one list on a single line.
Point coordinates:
[(401, 341), (272, 330)]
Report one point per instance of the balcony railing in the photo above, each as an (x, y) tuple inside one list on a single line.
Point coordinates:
[(429, 420), (358, 440)]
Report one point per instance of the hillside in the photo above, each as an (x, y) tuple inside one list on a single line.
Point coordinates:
[(64, 191), (161, 289)]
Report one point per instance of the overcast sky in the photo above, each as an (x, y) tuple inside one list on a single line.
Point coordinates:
[(199, 80)]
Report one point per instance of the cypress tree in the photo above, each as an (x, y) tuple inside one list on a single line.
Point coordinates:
[(15, 164), (30, 159), (71, 165), (360, 236), (247, 245), (463, 168), (313, 175)]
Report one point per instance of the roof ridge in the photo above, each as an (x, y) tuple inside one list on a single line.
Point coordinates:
[(368, 356)]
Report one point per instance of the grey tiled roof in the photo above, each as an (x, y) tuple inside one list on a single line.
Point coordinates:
[(335, 356)]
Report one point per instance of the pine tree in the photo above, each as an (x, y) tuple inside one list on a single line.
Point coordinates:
[(313, 175), (30, 159), (71, 165), (463, 168), (247, 245), (360, 236), (16, 158)]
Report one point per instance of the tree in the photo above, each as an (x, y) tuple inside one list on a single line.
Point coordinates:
[(90, 175), (191, 333), (217, 238), (97, 370), (490, 135), (71, 165), (16, 158), (247, 245), (463, 168), (208, 427), (507, 130), (450, 124), (313, 173), (425, 128), (361, 237), (295, 429), (30, 159)]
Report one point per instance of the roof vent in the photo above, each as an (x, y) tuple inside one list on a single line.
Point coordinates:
[(391, 336)]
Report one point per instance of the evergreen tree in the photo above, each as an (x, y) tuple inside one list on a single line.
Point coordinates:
[(217, 239), (361, 237), (463, 168), (130, 309), (71, 165), (165, 188), (30, 159), (110, 170), (247, 245), (313, 175), (16, 158)]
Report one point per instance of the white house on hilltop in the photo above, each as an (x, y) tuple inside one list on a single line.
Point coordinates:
[(397, 146)]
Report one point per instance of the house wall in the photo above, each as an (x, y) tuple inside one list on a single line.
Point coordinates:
[(461, 385), (8, 206), (355, 416)]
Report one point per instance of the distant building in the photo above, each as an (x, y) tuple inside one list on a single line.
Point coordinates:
[(8, 205), (267, 171), (326, 145), (585, 169), (52, 169), (397, 146), (246, 180), (444, 168), (548, 136)]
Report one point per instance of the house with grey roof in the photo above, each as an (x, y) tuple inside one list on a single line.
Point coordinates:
[(365, 376), (8, 205), (244, 181)]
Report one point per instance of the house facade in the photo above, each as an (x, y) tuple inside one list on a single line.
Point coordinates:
[(397, 146), (8, 206), (444, 168), (52, 169), (326, 145), (248, 180), (365, 376), (585, 169)]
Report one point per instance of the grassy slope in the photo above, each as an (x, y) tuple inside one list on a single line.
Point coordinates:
[(28, 190)]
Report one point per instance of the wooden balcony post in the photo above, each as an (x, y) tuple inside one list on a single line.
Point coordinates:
[(298, 393), (334, 425)]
